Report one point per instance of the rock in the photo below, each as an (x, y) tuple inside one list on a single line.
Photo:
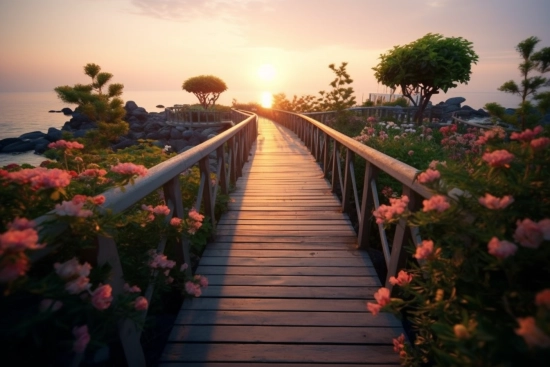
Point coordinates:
[(19, 147), (466, 108), (160, 106), (455, 101), (153, 135), (164, 133), (79, 133), (54, 134), (130, 106), (32, 135), (40, 145), (140, 114), (175, 134), (187, 134), (150, 127), (211, 136), (67, 111), (52, 111), (7, 141), (510, 111)]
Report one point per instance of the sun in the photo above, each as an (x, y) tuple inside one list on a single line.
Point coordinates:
[(267, 99), (267, 72)]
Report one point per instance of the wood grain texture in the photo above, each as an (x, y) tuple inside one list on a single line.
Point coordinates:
[(287, 284)]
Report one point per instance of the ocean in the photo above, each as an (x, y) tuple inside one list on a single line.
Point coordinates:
[(22, 113)]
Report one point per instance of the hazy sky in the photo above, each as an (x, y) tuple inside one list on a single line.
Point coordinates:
[(157, 44)]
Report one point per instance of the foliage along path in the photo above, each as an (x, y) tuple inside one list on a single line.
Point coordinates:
[(286, 282)]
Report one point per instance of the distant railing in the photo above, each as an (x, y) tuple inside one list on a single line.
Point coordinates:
[(190, 116), (336, 153), (397, 113), (231, 149)]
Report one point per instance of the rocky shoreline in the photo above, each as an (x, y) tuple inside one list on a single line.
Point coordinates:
[(143, 125)]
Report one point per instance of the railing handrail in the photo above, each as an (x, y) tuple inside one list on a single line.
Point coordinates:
[(403, 172)]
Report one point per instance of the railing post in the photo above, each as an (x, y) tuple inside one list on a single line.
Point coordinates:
[(204, 165), (128, 331), (173, 199), (398, 258)]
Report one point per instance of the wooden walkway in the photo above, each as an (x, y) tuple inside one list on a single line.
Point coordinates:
[(287, 285)]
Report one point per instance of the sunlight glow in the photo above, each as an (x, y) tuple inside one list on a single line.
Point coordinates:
[(267, 99), (266, 72)]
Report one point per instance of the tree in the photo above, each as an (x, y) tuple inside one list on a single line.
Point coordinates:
[(105, 108), (90, 98), (532, 61), (340, 97), (426, 66), (207, 88)]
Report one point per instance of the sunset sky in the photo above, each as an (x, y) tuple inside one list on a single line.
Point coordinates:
[(157, 44)]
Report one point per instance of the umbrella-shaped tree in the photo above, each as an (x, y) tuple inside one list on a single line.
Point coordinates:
[(207, 88)]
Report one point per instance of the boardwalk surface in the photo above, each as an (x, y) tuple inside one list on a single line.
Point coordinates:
[(287, 286)]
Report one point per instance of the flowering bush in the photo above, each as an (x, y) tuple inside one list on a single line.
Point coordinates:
[(62, 301), (477, 288)]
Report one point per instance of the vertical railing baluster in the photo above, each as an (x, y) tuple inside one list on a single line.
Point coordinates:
[(346, 190), (204, 166), (367, 206)]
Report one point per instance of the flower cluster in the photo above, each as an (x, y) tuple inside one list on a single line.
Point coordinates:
[(194, 221), (67, 145), (194, 287), (129, 169), (386, 213)]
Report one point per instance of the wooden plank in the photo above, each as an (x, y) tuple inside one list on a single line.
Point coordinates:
[(362, 292), (274, 304), (287, 261), (285, 318), (290, 271), (281, 253), (286, 239), (291, 280), (275, 353), (281, 364), (284, 334)]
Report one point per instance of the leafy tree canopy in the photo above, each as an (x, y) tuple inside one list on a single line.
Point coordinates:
[(207, 88), (426, 66)]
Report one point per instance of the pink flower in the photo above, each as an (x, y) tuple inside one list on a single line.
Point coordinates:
[(382, 296), (424, 250), (41, 178), (399, 343), (13, 266), (411, 152), (203, 281), (72, 268), (21, 224), (526, 135), (98, 200), (82, 338), (528, 233), (540, 143), (403, 278), (374, 308), (461, 332), (176, 222), (161, 210), (193, 288), (79, 199), (529, 331), (19, 240), (498, 158), (194, 221), (50, 305), (132, 289), (386, 213), (93, 172), (501, 249), (433, 164), (492, 202), (62, 144), (71, 209), (160, 261), (184, 267), (101, 297), (141, 303), (129, 169), (543, 298), (428, 176), (78, 285), (438, 203)]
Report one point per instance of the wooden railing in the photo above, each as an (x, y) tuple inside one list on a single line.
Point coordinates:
[(186, 115), (397, 113), (336, 154), (231, 148)]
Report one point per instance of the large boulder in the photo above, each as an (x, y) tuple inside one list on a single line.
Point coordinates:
[(130, 106), (7, 141), (455, 101), (54, 134), (140, 113), (19, 147), (187, 134), (67, 111), (175, 134), (32, 135), (41, 145)]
